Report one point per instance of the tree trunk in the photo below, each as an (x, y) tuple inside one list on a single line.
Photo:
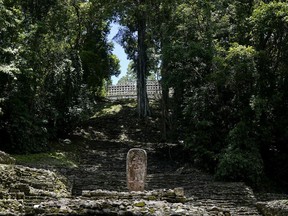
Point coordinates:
[(164, 102), (142, 97)]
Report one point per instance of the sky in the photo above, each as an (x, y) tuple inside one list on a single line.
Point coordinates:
[(119, 52)]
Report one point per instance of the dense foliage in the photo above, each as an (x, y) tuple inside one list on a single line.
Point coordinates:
[(54, 60), (229, 60), (225, 62)]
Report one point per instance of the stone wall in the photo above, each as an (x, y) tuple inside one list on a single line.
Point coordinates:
[(102, 202), (273, 208), (30, 191), (129, 90), (21, 188)]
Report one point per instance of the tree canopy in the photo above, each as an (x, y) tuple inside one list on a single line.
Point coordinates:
[(55, 58)]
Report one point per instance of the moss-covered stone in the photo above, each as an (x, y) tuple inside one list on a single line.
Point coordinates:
[(21, 183), (11, 207), (140, 204), (273, 208), (6, 158), (56, 158), (152, 198)]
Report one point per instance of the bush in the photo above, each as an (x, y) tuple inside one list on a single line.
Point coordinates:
[(239, 165), (241, 161), (23, 132)]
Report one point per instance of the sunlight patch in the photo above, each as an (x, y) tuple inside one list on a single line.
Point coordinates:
[(111, 110)]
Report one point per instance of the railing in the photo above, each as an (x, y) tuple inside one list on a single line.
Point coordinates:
[(129, 90)]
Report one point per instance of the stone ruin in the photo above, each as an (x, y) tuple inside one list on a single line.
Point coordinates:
[(6, 159), (30, 191)]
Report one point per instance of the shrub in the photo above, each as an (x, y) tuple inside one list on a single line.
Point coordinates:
[(241, 161)]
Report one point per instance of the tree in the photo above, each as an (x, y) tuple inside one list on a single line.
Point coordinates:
[(142, 69), (186, 55), (212, 75), (10, 22), (98, 62), (161, 37), (133, 15), (130, 74), (269, 36), (233, 105), (44, 89)]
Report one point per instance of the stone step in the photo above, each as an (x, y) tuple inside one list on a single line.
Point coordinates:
[(204, 192), (103, 166)]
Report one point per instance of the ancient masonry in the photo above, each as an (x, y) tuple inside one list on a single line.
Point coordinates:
[(129, 90), (30, 191), (100, 183)]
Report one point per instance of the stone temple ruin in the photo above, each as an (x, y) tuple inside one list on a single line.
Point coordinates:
[(31, 191), (129, 90)]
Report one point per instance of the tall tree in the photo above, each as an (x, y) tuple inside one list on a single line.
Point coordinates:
[(133, 37), (142, 69), (269, 24), (162, 27), (98, 62), (44, 88)]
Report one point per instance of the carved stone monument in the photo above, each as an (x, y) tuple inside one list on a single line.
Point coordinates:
[(136, 168)]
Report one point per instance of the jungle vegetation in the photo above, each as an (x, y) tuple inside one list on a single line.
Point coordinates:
[(225, 60)]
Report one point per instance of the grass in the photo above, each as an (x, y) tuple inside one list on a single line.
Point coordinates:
[(108, 110), (52, 159), (66, 155), (113, 108)]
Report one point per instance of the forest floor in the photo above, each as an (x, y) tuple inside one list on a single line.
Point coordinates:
[(93, 157)]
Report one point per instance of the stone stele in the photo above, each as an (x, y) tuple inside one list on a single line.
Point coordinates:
[(136, 168)]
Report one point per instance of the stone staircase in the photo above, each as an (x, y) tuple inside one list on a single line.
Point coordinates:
[(102, 145), (103, 166)]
